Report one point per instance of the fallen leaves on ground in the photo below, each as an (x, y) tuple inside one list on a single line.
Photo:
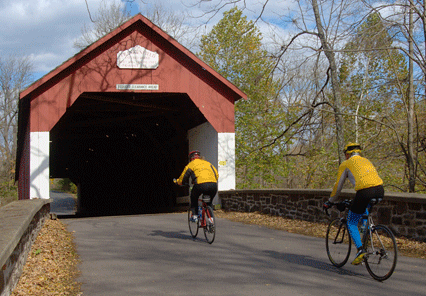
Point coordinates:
[(51, 267), (406, 247)]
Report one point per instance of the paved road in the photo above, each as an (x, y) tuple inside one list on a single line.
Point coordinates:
[(154, 255), (62, 203)]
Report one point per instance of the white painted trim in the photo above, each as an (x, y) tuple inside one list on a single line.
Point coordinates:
[(39, 165), (217, 148), (204, 139), (226, 161)]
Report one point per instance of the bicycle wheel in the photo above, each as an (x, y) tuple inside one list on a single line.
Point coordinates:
[(210, 228), (382, 252), (193, 226), (338, 242)]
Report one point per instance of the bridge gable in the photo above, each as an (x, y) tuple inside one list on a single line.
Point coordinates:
[(95, 70)]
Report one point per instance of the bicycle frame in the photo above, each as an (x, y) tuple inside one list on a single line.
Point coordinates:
[(370, 225), (378, 240), (343, 221), (203, 213)]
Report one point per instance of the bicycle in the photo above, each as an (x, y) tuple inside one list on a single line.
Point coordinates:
[(206, 220), (377, 240)]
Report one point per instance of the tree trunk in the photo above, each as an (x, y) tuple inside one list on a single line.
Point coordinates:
[(335, 83), (410, 115)]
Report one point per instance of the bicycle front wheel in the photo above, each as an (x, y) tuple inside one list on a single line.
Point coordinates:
[(193, 225), (382, 252), (210, 228), (338, 242)]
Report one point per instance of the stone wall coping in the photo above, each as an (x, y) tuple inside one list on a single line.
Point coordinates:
[(346, 193), (15, 218)]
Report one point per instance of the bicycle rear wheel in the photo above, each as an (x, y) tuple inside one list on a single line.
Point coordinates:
[(382, 252), (193, 226), (210, 228), (338, 242)]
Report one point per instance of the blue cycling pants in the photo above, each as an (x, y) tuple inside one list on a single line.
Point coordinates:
[(353, 220)]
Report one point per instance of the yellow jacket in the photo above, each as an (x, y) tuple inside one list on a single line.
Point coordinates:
[(360, 171), (200, 171)]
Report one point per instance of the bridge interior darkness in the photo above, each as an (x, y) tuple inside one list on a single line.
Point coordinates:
[(124, 149)]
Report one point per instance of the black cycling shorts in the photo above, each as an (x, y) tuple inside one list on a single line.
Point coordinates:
[(209, 188), (363, 197)]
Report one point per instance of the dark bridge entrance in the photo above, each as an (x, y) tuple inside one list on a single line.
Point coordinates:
[(123, 150), (119, 118)]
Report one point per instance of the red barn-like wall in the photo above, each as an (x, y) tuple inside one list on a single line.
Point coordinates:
[(95, 70)]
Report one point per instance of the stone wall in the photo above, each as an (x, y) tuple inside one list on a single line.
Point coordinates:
[(404, 213), (20, 223)]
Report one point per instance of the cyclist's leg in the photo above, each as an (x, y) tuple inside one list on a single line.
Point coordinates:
[(210, 189), (195, 194), (353, 220), (358, 208)]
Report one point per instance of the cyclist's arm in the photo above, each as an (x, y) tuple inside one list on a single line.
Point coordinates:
[(216, 174), (184, 177), (342, 174)]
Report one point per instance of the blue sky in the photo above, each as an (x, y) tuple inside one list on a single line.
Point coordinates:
[(45, 30)]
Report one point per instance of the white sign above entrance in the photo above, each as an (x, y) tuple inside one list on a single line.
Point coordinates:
[(137, 86), (137, 57)]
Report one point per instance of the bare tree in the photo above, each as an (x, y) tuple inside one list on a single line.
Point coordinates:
[(15, 75), (407, 20), (173, 23), (108, 18), (319, 32)]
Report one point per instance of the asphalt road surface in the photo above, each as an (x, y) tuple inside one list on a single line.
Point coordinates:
[(155, 255), (62, 203)]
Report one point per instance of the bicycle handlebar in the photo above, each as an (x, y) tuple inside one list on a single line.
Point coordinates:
[(341, 206), (332, 204)]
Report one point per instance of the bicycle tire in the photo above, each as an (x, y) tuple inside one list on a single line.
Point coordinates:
[(338, 242), (210, 228), (382, 252), (193, 226)]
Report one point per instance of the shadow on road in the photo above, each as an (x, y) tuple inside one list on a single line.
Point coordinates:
[(308, 261), (173, 234)]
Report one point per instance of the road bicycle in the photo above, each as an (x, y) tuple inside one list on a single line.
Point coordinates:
[(206, 220), (377, 240)]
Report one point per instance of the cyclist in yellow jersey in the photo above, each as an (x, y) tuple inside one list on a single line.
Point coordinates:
[(364, 177), (204, 178)]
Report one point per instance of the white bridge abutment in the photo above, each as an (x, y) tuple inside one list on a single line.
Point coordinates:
[(39, 165)]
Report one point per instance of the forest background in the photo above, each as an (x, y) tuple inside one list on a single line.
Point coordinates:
[(344, 71)]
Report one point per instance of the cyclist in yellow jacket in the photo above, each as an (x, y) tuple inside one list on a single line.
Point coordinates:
[(204, 178), (363, 175)]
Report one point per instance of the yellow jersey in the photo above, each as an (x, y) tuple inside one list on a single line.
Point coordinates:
[(360, 172), (200, 171)]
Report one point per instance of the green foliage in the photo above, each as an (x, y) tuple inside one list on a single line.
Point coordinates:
[(65, 185), (234, 49), (374, 77), (8, 193)]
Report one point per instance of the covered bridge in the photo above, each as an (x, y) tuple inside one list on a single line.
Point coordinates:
[(119, 118)]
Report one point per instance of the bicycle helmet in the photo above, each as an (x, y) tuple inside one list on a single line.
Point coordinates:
[(352, 148), (194, 154)]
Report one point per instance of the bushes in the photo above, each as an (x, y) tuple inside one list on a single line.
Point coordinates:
[(8, 193), (63, 185)]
